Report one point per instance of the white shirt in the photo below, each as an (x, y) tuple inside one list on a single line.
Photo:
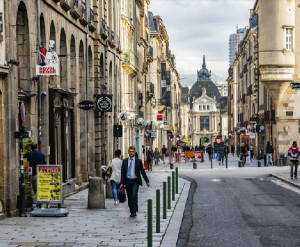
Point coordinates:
[(116, 165), (132, 174)]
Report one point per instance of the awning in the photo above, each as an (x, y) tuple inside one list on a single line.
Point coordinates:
[(161, 108)]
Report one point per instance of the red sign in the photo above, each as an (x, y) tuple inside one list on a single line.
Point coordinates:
[(22, 112), (50, 169), (159, 117), (218, 140)]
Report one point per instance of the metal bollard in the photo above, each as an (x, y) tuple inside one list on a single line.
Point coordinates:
[(164, 200), (169, 192), (149, 224), (258, 163), (176, 173), (194, 165), (171, 166), (157, 211), (280, 162), (173, 186)]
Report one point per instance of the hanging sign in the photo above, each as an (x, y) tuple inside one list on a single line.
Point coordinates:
[(295, 85), (166, 127), (86, 105), (104, 103), (47, 60), (153, 134), (49, 180), (159, 118), (22, 112)]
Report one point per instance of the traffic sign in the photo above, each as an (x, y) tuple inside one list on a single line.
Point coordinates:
[(23, 113), (123, 117), (219, 149), (218, 140)]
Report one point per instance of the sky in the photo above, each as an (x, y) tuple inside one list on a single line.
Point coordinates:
[(198, 27)]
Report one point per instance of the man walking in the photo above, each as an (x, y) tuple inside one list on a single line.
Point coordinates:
[(294, 154), (269, 151), (132, 169), (35, 158)]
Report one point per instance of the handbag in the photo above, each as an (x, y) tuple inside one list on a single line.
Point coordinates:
[(146, 165), (109, 172), (122, 195)]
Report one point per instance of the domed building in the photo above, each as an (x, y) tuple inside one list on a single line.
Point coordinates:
[(205, 100)]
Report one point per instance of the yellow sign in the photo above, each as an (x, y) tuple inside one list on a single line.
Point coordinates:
[(49, 183), (171, 127)]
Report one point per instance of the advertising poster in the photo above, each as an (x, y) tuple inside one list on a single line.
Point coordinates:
[(49, 183)]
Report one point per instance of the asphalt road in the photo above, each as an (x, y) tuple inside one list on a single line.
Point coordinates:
[(241, 207)]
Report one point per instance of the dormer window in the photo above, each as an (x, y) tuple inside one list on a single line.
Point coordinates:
[(200, 107)]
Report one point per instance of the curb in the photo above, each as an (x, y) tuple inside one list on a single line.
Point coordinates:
[(77, 190), (285, 180), (172, 233)]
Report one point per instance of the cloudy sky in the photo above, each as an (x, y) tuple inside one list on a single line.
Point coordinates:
[(198, 27)]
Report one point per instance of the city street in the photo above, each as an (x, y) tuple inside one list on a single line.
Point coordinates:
[(240, 207)]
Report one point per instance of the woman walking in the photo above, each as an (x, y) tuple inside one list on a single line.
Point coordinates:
[(150, 156), (115, 179)]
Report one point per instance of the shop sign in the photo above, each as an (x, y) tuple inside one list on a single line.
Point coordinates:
[(86, 105), (252, 135), (163, 83), (171, 127), (49, 180), (166, 127), (254, 120), (104, 103), (47, 61), (153, 134), (159, 118)]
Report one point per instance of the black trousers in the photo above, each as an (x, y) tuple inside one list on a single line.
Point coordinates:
[(132, 188)]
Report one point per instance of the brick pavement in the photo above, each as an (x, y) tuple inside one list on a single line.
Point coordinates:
[(84, 227)]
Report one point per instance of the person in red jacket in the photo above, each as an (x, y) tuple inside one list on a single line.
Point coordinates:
[(294, 154)]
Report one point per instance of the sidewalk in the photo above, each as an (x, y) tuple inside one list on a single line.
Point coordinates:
[(285, 177), (109, 227)]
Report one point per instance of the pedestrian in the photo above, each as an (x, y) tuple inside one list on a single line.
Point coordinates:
[(243, 152), (115, 179), (232, 150), (35, 158), (251, 152), (294, 156), (164, 153), (150, 157), (209, 151), (156, 156), (238, 150), (131, 172), (269, 152)]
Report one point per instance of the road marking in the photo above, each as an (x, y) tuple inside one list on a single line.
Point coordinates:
[(285, 185), (215, 180)]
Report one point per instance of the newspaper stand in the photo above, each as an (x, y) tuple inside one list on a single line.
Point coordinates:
[(49, 191)]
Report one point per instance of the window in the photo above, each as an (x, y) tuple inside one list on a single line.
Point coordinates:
[(204, 107), (204, 123), (208, 107), (200, 107), (289, 39)]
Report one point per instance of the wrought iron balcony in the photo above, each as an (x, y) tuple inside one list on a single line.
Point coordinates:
[(66, 4), (130, 62), (92, 26), (83, 14), (103, 30), (150, 54), (74, 11)]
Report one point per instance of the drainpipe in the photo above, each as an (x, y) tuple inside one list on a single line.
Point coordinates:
[(116, 144), (38, 77), (87, 89)]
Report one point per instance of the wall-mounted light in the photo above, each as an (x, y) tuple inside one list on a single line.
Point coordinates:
[(13, 62)]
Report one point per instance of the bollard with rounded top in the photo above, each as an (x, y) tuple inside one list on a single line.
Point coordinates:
[(157, 211), (176, 174), (96, 193), (169, 192), (164, 200), (194, 165), (173, 186), (280, 162), (258, 163), (149, 224), (171, 166)]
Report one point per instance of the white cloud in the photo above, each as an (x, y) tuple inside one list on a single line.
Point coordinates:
[(198, 27)]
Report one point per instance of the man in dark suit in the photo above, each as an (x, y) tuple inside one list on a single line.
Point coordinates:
[(132, 169)]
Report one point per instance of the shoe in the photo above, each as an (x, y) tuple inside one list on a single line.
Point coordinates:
[(135, 215), (295, 177), (117, 202), (132, 215), (291, 177)]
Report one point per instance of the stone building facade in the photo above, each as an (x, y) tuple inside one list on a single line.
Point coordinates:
[(262, 100)]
